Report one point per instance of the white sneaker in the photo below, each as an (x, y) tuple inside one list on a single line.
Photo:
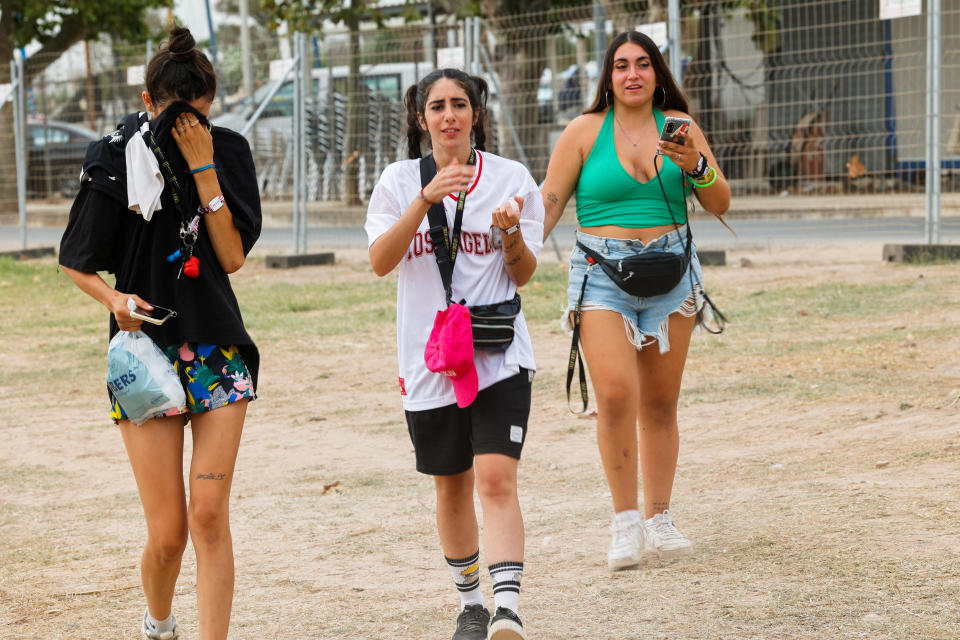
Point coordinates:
[(626, 544), (663, 539), (151, 633)]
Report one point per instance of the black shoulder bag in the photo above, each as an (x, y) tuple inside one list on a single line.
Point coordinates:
[(492, 323)]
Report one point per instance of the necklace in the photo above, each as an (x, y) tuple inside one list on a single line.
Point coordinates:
[(624, 129)]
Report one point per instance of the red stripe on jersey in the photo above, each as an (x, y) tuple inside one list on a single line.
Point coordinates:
[(476, 180)]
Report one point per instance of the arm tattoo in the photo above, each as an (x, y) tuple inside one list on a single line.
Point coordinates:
[(511, 243), (211, 476), (552, 197), (515, 260)]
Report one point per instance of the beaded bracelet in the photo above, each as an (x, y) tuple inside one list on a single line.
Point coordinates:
[(707, 180), (203, 168)]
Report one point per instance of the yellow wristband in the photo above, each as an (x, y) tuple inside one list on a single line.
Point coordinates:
[(708, 179)]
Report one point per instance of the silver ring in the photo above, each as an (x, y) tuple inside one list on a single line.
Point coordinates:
[(679, 156)]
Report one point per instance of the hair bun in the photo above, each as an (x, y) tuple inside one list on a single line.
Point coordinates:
[(181, 44)]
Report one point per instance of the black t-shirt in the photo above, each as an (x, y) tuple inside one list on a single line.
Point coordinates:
[(102, 234)]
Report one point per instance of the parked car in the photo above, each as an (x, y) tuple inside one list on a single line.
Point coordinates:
[(570, 100), (387, 80), (55, 151)]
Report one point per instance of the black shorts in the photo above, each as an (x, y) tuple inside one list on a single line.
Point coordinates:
[(446, 439)]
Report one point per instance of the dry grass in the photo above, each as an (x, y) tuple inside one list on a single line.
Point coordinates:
[(818, 471)]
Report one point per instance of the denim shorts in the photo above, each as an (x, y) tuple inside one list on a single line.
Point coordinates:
[(645, 319)]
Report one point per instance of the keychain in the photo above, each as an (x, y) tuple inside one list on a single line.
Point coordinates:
[(190, 264)]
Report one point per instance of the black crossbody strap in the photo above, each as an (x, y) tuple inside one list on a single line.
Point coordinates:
[(590, 252), (437, 219), (176, 188), (666, 201), (445, 246), (575, 358)]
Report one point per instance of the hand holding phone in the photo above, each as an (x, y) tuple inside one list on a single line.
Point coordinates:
[(674, 129), (158, 315)]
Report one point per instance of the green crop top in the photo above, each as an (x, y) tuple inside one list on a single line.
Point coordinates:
[(608, 194)]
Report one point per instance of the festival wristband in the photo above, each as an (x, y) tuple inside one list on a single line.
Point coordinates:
[(203, 168), (424, 198), (512, 230), (214, 205), (707, 180), (701, 169)]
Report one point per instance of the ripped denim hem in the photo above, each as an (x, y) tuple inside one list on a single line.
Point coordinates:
[(693, 305)]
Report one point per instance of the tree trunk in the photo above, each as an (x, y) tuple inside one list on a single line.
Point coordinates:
[(699, 76), (519, 60), (627, 19), (8, 162), (352, 141)]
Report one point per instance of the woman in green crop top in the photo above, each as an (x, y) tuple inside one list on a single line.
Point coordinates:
[(609, 157)]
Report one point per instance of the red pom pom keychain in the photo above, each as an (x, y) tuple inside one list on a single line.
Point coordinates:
[(191, 268)]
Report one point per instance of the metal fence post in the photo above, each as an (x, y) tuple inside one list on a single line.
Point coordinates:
[(673, 29), (932, 186), (599, 33), (475, 56), (467, 44), (20, 140), (295, 142), (306, 83)]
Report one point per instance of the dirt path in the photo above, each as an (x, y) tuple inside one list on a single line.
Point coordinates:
[(818, 479)]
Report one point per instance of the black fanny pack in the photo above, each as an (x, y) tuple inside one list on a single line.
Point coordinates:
[(651, 273), (492, 324)]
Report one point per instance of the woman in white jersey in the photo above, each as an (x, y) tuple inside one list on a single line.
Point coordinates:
[(466, 430)]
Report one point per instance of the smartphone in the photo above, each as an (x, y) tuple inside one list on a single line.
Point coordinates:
[(674, 129), (159, 315)]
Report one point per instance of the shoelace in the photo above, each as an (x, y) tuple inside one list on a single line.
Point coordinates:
[(472, 620), (664, 527)]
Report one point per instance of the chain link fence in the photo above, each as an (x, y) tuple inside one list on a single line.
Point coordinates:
[(796, 96)]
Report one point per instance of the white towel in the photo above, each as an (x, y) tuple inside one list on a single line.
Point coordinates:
[(144, 180)]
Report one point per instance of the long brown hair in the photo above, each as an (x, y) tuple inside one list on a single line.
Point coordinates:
[(415, 100), (673, 96)]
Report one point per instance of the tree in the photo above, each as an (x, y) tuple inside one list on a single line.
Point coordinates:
[(263, 44), (519, 59), (57, 25), (308, 16)]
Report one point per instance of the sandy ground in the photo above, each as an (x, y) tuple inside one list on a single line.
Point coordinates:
[(826, 512)]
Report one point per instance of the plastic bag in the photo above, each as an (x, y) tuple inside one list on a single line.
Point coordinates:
[(142, 379)]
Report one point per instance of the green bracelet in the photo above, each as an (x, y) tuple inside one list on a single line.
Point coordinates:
[(705, 182)]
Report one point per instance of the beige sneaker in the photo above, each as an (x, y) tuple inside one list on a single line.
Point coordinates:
[(626, 544), (663, 539)]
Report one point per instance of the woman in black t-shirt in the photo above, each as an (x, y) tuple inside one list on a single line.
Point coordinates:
[(176, 255)]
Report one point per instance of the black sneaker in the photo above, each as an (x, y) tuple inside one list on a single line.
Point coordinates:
[(472, 623), (506, 626)]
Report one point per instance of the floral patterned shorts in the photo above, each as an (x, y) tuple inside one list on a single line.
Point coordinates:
[(213, 376)]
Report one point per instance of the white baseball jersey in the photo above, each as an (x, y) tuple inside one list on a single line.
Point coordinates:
[(479, 274)]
